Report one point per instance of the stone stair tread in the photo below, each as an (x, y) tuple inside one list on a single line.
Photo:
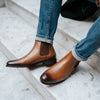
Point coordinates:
[(31, 5), (18, 38), (17, 32), (13, 86), (82, 85), (10, 27)]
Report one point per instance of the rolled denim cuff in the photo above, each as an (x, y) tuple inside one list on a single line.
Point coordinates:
[(44, 39), (77, 56)]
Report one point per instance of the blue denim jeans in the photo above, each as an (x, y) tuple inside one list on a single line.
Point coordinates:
[(48, 19), (93, 1)]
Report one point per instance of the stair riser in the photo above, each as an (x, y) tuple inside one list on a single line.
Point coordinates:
[(20, 11), (2, 3), (66, 41)]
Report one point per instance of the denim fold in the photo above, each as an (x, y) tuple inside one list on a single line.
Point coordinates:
[(48, 18)]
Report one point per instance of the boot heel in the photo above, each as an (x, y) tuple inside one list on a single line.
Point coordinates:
[(50, 62)]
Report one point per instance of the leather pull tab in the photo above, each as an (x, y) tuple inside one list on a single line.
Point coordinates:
[(44, 49)]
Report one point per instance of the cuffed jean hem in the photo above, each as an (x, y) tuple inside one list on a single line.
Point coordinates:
[(77, 56), (44, 39)]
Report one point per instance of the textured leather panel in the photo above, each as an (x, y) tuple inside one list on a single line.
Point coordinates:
[(44, 49)]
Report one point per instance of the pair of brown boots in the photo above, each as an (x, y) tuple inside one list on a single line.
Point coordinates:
[(43, 54)]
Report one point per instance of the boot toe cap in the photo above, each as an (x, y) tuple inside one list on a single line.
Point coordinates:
[(46, 79)]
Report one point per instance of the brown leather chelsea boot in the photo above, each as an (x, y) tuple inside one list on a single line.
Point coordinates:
[(60, 71), (41, 54)]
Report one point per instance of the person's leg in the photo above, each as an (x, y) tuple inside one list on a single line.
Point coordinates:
[(43, 52), (93, 1), (90, 44), (48, 18), (84, 49)]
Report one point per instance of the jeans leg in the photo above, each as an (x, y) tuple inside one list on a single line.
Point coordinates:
[(90, 44), (93, 1), (48, 18)]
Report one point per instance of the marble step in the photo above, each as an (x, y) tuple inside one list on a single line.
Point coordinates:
[(13, 86), (17, 38), (69, 31), (2, 3)]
